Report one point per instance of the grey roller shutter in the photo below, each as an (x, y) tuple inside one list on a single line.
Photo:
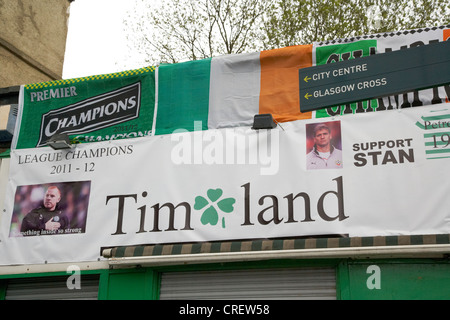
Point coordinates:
[(257, 284), (51, 288)]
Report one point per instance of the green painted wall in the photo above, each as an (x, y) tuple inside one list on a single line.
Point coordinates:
[(387, 279), (135, 284), (404, 280), (355, 280)]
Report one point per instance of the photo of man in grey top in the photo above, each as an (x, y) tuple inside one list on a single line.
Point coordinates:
[(323, 155)]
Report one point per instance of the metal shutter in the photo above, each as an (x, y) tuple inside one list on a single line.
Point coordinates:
[(51, 288), (286, 284)]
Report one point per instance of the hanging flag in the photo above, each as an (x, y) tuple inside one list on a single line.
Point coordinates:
[(96, 108), (183, 94), (227, 91)]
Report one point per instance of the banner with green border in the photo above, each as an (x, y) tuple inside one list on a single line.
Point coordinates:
[(90, 109)]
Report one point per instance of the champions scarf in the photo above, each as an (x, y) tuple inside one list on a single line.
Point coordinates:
[(97, 108)]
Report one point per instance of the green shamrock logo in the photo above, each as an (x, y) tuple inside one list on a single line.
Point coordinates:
[(210, 215)]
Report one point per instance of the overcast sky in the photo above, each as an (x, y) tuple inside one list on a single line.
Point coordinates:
[(95, 39)]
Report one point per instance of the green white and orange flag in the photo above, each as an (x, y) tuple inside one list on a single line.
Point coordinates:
[(229, 90)]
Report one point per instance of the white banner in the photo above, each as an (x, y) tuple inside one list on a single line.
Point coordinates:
[(385, 174)]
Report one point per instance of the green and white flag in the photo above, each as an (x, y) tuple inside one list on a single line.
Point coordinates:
[(96, 108)]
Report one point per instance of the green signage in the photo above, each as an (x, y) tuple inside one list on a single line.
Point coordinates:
[(374, 76), (90, 109)]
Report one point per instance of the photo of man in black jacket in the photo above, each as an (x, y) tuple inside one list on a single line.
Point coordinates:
[(47, 218)]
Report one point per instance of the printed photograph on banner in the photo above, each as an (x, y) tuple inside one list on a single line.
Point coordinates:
[(50, 209), (323, 145)]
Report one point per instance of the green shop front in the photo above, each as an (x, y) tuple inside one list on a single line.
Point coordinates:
[(380, 268)]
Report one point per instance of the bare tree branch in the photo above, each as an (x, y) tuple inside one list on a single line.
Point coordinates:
[(181, 30)]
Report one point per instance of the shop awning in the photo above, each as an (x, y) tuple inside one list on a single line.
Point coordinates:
[(408, 246)]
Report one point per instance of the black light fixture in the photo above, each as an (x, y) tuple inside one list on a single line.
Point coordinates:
[(59, 141), (263, 121)]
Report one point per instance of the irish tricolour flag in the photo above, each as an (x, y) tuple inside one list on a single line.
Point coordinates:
[(229, 90)]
